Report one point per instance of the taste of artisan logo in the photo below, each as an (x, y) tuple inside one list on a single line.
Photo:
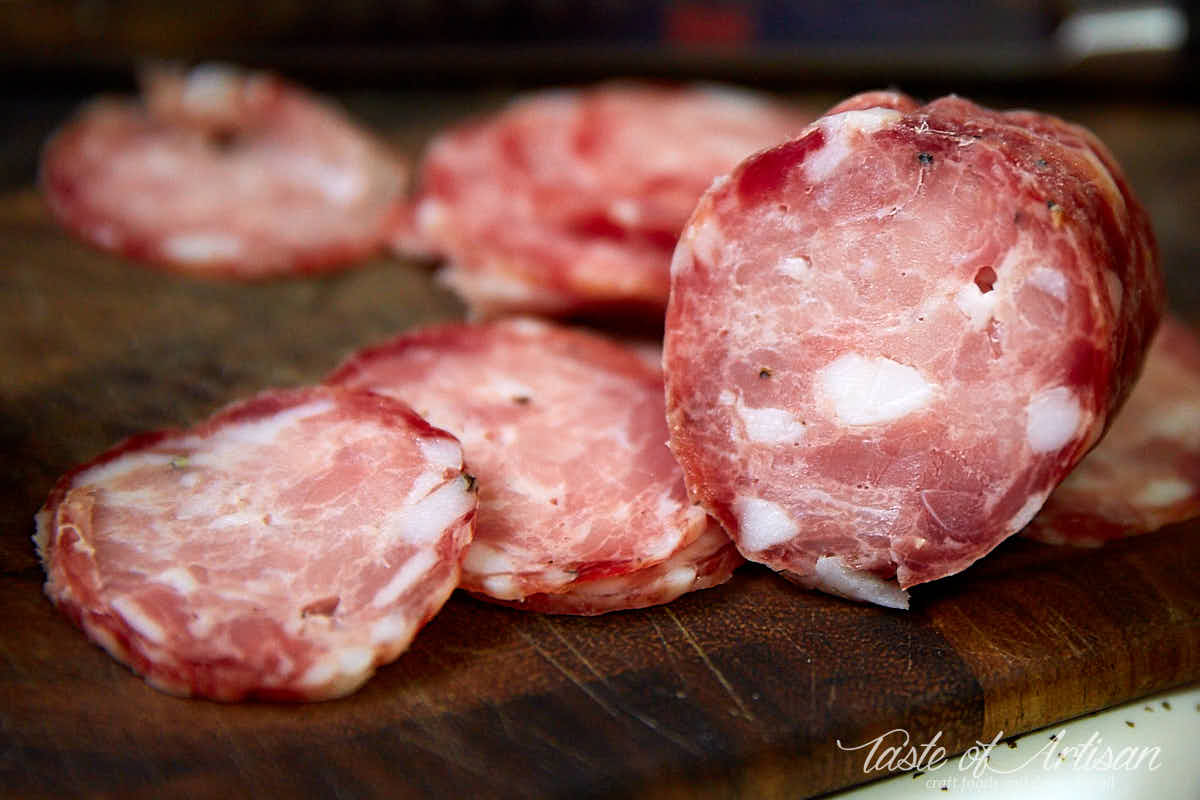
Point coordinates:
[(895, 751)]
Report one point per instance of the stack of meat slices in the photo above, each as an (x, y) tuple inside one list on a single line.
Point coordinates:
[(582, 508), (572, 201), (219, 172)]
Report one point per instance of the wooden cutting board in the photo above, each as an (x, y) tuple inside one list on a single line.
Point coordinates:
[(746, 689)]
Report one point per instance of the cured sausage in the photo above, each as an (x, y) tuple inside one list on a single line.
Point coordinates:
[(1145, 473), (282, 549), (219, 172), (571, 201), (891, 337), (565, 432)]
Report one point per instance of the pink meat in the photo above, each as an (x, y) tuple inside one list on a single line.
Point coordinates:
[(283, 549), (891, 337), (708, 561), (223, 173), (572, 201), (1145, 473), (566, 434)]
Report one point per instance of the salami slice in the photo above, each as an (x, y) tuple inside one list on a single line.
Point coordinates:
[(282, 550), (223, 173), (571, 201), (1145, 473), (566, 434), (890, 338), (708, 561)]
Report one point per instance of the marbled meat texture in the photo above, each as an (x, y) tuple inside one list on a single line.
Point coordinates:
[(708, 561), (282, 549), (572, 201), (890, 338), (223, 173), (1145, 473), (566, 434)]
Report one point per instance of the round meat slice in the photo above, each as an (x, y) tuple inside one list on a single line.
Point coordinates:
[(283, 549), (1145, 473), (709, 561), (223, 173), (571, 201), (566, 434), (890, 338)]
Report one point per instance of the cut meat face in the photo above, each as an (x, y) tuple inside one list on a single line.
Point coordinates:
[(223, 173), (566, 434), (283, 549), (571, 201), (1145, 473), (891, 337)]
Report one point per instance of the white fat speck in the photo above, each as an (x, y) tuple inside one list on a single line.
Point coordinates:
[(718, 182), (1050, 281), (118, 467), (429, 217), (494, 286), (1028, 511), (836, 577), (105, 236), (503, 587), (405, 578), (625, 211), (526, 326), (977, 305), (771, 425), (681, 259), (179, 579), (189, 480), (795, 267), (838, 130), (425, 521), (390, 629), (210, 87), (1181, 423), (679, 580), (191, 248), (442, 453), (726, 398), (1116, 290), (237, 519), (503, 389), (137, 618), (667, 506), (483, 559), (261, 432), (705, 240), (1163, 492), (1052, 418), (868, 391), (341, 186), (762, 524)]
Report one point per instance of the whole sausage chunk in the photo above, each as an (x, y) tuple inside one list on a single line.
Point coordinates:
[(891, 337), (282, 549)]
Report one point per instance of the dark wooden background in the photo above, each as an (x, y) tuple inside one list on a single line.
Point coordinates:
[(741, 690)]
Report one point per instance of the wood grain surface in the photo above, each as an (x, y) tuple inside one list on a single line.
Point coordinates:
[(743, 690)]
